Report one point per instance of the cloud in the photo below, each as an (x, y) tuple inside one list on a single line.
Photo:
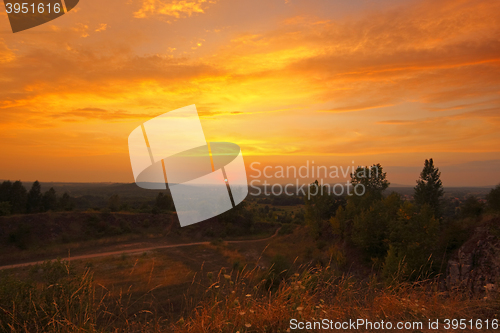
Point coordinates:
[(358, 107), (6, 54), (102, 27), (90, 113), (173, 8), (393, 122)]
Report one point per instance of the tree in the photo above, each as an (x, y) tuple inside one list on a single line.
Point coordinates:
[(66, 202), (373, 179), (114, 203), (429, 188), (49, 200), (5, 191), (5, 200), (471, 207), (370, 226), (34, 200), (320, 206), (5, 208), (18, 197), (493, 199), (164, 202), (412, 242)]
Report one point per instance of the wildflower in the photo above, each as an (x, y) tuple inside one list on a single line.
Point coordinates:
[(242, 313), (247, 325)]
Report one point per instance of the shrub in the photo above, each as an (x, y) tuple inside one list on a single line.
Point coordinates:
[(471, 207)]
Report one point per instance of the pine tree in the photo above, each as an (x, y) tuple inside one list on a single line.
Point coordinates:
[(18, 198), (66, 203), (49, 200), (34, 202), (429, 188), (5, 191)]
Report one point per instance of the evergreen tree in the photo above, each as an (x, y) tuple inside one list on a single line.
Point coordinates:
[(18, 197), (34, 200), (49, 200), (429, 188), (66, 202), (5, 189)]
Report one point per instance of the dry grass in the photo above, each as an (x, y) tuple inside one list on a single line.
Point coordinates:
[(239, 303), (229, 301)]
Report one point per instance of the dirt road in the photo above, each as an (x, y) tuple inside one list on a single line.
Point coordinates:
[(134, 251)]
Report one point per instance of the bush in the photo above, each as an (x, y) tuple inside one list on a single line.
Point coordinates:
[(471, 207), (493, 199), (5, 208)]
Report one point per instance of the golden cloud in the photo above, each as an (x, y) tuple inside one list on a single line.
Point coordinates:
[(174, 8)]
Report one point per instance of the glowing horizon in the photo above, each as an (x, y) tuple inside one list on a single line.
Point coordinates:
[(390, 82)]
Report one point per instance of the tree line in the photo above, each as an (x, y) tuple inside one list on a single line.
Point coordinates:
[(404, 238), (15, 199)]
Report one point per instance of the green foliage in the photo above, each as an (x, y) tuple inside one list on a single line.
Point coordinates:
[(5, 208), (412, 242), (388, 230), (493, 199), (320, 206), (373, 179), (370, 226), (471, 207), (429, 189)]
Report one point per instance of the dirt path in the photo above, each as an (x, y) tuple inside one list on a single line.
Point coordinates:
[(136, 251)]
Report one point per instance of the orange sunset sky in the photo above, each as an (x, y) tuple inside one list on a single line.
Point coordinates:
[(334, 81)]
